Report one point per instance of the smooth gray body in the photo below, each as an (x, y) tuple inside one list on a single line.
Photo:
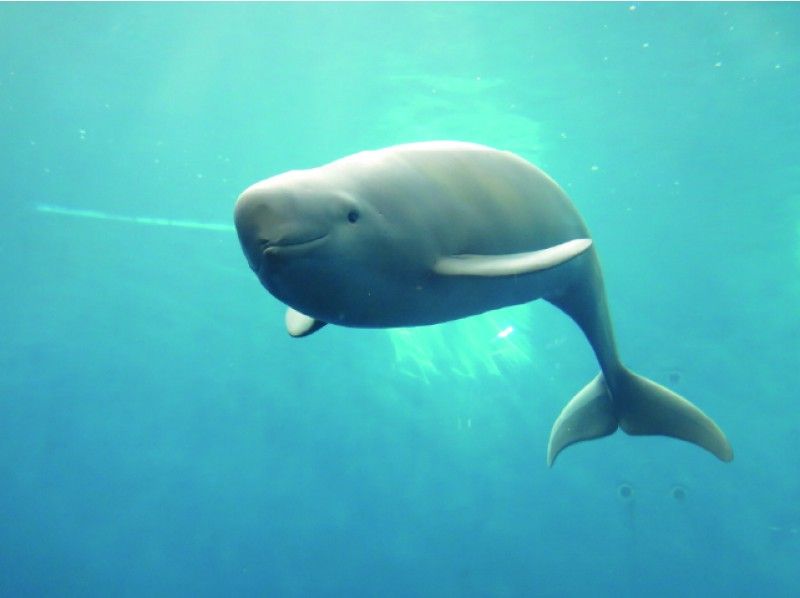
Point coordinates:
[(428, 232)]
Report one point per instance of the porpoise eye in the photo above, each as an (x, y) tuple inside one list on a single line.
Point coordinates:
[(352, 215)]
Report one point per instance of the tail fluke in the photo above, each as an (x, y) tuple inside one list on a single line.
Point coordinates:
[(640, 407), (590, 414)]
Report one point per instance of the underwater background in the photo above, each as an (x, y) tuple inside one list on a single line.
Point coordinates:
[(162, 435)]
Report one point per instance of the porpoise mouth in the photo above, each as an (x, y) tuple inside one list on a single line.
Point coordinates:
[(268, 246)]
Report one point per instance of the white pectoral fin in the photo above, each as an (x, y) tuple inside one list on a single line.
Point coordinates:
[(298, 324), (513, 263)]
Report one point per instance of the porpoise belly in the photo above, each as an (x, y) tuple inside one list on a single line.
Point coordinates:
[(434, 299)]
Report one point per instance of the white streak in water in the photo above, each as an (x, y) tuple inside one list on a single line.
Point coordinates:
[(143, 220)]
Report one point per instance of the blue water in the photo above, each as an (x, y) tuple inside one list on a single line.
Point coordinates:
[(160, 433)]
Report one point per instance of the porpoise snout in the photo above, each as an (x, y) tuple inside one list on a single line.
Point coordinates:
[(252, 225), (270, 219)]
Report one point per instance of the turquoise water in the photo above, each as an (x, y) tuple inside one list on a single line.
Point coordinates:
[(160, 433)]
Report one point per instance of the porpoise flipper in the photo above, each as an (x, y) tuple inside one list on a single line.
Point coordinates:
[(511, 264), (298, 324)]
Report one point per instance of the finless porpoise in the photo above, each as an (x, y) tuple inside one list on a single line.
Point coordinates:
[(428, 232)]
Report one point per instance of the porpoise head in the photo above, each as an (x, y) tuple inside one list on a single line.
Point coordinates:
[(312, 245)]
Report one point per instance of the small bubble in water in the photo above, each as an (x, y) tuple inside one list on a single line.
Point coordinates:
[(678, 492), (625, 491)]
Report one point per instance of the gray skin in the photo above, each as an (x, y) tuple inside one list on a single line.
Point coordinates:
[(428, 232)]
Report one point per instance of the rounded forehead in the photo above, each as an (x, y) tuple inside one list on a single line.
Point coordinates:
[(275, 184), (312, 182)]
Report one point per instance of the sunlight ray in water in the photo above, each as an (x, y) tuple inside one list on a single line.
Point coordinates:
[(468, 348)]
